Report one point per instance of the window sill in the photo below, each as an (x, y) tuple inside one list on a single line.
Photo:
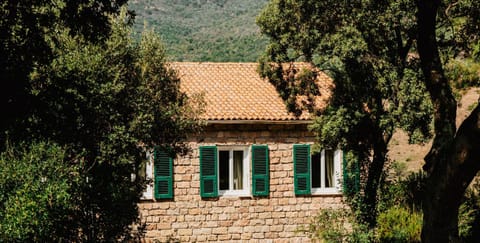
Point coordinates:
[(326, 191), (234, 194), (146, 199)]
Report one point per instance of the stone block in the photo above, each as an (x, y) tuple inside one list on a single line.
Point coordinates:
[(194, 211), (212, 238), (283, 201), (246, 236), (200, 238), (177, 225), (264, 215), (226, 223), (184, 232), (219, 231), (163, 226), (278, 215), (248, 229), (164, 205), (276, 228), (241, 222), (202, 231), (271, 235), (211, 224), (258, 236), (151, 227), (290, 228), (269, 221), (224, 237), (235, 230)]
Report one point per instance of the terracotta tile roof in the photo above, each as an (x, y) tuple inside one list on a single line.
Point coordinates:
[(235, 92)]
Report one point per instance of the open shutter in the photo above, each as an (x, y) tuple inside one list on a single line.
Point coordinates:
[(301, 169), (163, 171), (208, 171), (260, 170), (351, 177)]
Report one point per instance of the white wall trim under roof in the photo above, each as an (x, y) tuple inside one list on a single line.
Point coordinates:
[(259, 122)]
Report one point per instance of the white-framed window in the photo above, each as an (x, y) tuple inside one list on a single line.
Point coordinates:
[(326, 172), (316, 173), (148, 192), (159, 175), (233, 170)]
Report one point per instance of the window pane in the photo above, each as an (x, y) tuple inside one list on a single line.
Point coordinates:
[(237, 170), (316, 170), (329, 169), (224, 170)]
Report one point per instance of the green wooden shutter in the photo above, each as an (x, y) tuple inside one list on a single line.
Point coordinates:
[(163, 171), (351, 176), (301, 169), (260, 170), (208, 171)]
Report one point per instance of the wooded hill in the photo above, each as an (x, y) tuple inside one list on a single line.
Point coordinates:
[(204, 30)]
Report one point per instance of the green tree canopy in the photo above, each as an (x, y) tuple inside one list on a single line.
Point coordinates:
[(36, 199), (106, 103), (364, 46), (383, 77), (26, 29)]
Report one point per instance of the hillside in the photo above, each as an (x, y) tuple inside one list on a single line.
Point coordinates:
[(412, 154), (204, 30)]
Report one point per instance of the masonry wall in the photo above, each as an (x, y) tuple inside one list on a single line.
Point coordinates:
[(189, 218)]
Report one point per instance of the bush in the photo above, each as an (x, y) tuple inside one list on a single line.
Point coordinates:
[(35, 183), (337, 225), (469, 214), (463, 73), (399, 224)]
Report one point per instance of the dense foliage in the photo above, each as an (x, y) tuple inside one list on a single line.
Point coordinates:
[(364, 47), (102, 101), (37, 183), (204, 30), (25, 28), (385, 58)]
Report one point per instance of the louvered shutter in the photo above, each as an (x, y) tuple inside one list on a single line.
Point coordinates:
[(208, 171), (351, 176), (163, 171), (301, 171), (260, 170)]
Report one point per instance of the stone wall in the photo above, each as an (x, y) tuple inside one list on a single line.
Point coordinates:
[(189, 218)]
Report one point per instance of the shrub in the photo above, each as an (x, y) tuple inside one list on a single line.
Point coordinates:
[(337, 225), (469, 214), (398, 224), (36, 183), (463, 73)]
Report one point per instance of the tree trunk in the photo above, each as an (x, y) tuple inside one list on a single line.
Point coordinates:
[(452, 161), (369, 213), (447, 183)]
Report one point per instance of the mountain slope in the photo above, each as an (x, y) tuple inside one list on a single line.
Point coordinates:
[(204, 30)]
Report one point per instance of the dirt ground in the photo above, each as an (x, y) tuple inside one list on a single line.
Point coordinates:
[(412, 154)]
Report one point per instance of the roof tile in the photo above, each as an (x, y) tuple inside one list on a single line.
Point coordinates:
[(235, 91)]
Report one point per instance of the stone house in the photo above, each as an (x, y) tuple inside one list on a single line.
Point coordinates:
[(251, 175)]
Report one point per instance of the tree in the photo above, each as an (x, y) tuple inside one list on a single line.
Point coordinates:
[(25, 28), (386, 61), (105, 102), (452, 161), (364, 47), (106, 98)]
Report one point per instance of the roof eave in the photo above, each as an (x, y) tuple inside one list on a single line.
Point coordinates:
[(263, 122)]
